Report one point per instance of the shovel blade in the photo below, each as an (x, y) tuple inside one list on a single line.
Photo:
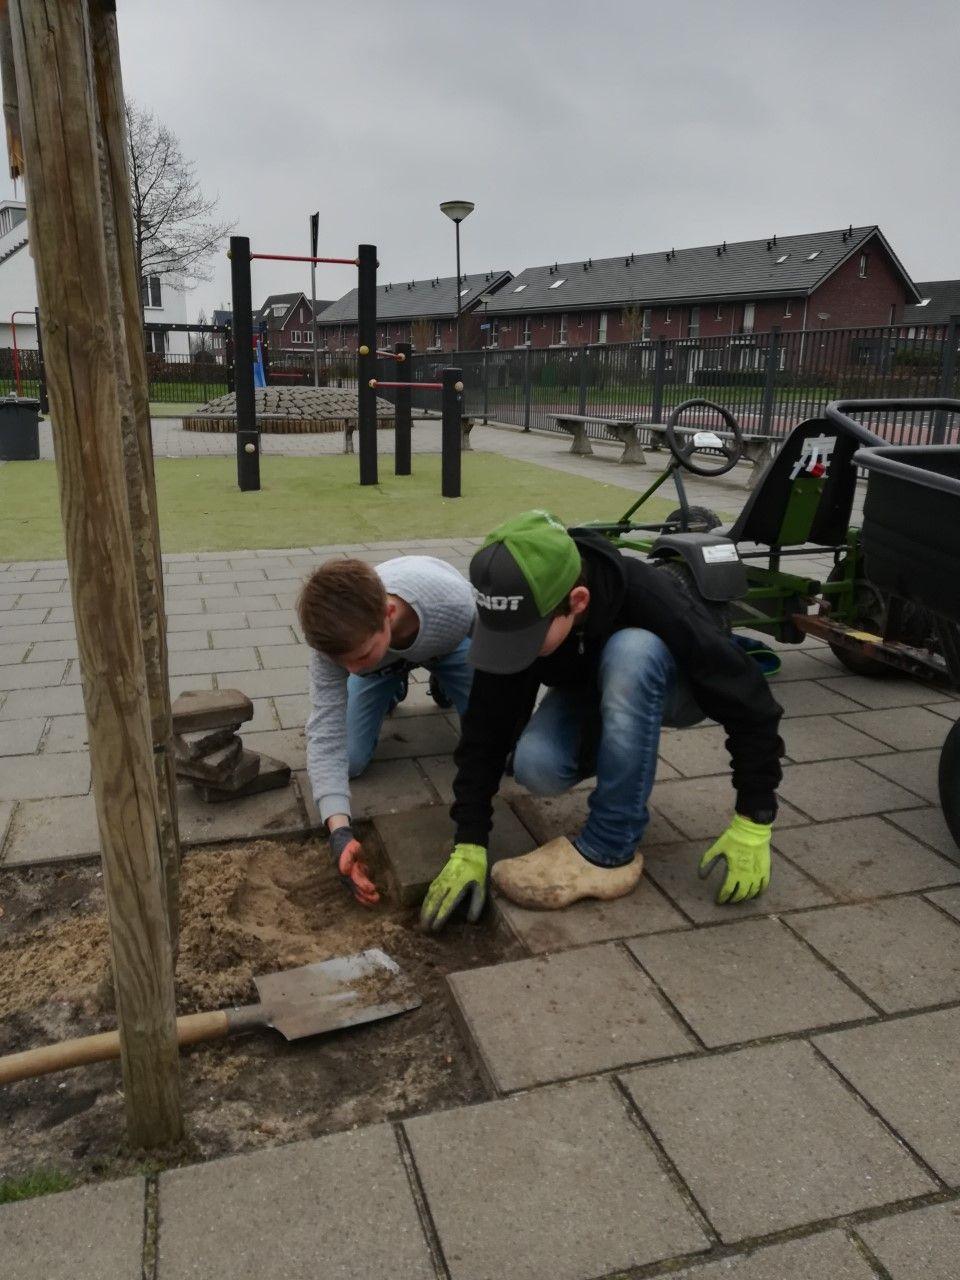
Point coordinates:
[(332, 994)]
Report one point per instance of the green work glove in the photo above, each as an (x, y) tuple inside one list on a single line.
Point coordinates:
[(465, 872), (746, 847)]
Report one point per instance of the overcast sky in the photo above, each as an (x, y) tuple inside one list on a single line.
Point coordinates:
[(579, 127)]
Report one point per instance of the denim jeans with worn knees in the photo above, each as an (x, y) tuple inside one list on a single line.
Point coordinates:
[(639, 691)]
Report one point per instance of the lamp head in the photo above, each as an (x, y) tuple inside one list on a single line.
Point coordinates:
[(457, 210)]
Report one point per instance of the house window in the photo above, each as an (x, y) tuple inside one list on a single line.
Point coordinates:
[(301, 315), (719, 315), (294, 335), (693, 328), (279, 308), (783, 257), (150, 295), (557, 283), (562, 329), (668, 316), (602, 327), (157, 343), (493, 333), (527, 335), (308, 335), (786, 308), (815, 254), (645, 324), (437, 334), (864, 263), (520, 288), (749, 314)]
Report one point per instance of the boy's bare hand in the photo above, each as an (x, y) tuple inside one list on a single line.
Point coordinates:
[(348, 855)]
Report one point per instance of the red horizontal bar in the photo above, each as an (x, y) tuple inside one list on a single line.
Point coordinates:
[(391, 355), (414, 386), (294, 257)]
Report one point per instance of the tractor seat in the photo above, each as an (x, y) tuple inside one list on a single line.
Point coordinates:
[(794, 502)]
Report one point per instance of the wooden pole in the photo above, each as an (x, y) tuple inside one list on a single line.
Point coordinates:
[(11, 106), (54, 72), (124, 283)]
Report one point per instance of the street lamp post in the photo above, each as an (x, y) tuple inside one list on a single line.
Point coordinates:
[(456, 211)]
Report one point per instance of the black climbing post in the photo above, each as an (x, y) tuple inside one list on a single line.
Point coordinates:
[(402, 421), (367, 361), (248, 437), (452, 411)]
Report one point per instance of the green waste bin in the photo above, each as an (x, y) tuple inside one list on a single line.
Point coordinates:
[(19, 429)]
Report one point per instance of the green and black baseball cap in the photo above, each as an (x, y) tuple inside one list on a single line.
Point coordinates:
[(520, 574)]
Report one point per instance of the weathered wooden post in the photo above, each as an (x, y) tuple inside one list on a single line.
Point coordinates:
[(53, 58), (124, 283)]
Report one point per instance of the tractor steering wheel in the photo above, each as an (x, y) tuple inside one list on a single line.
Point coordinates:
[(732, 450)]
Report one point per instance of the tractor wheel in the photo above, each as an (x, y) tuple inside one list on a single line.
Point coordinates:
[(868, 614), (718, 610), (950, 782), (702, 519)]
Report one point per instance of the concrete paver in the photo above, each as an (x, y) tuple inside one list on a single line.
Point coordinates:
[(31, 675), (550, 816), (34, 777), (387, 786), (864, 858), (644, 911), (809, 738), (271, 813), (52, 830), (921, 1245), (947, 900), (904, 728), (549, 1018), (280, 1213), (746, 980), (929, 826), (6, 814), (20, 737), (908, 1069), (886, 692), (701, 808), (900, 952), (553, 1185), (916, 770), (831, 1256), (841, 789), (404, 736), (812, 698), (797, 1147), (674, 869), (91, 1233)]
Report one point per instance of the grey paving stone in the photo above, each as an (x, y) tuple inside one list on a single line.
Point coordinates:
[(29, 588), (276, 1213), (553, 1185), (197, 620), (830, 1256), (192, 683), (253, 574), (809, 738), (908, 1069), (696, 752), (844, 789), (31, 627), (947, 900), (267, 814), (565, 815), (180, 579), (441, 771), (796, 1146), (417, 848), (389, 786), (292, 709), (927, 825), (52, 830), (273, 618), (901, 952), (32, 675), (237, 637), (58, 602), (921, 1245), (949, 710), (809, 698), (701, 808), (905, 728), (229, 605), (886, 692), (288, 745), (182, 641), (265, 718), (13, 653), (864, 858), (644, 911), (20, 737), (37, 776), (916, 770), (202, 591), (92, 1233), (415, 736), (284, 655), (271, 684), (674, 868), (60, 613), (552, 1017), (204, 661), (6, 816), (746, 980)]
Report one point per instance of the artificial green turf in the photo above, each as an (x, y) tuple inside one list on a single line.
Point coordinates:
[(315, 501)]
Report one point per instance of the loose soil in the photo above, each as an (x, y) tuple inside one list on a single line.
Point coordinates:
[(245, 909)]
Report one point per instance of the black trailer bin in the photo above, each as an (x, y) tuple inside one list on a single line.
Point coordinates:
[(19, 429)]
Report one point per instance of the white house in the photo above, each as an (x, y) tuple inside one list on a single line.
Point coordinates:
[(163, 304)]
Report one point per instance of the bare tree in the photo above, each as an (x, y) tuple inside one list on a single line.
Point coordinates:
[(173, 220), (201, 348), (633, 323)]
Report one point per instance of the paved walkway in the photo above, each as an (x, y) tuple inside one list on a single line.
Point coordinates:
[(765, 1092)]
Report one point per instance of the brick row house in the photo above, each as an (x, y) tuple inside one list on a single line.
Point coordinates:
[(830, 279), (421, 312), (928, 318), (286, 320)]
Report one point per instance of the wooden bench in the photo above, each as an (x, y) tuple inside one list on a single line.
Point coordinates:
[(757, 449), (623, 429)]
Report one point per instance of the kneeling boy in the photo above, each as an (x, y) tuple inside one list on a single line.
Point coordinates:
[(368, 628), (622, 649)]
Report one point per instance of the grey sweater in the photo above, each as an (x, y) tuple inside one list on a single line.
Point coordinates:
[(443, 601)]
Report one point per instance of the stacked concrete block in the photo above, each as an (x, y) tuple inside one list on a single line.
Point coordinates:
[(288, 409), (209, 751)]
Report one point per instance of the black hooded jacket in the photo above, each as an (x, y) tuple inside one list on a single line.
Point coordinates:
[(727, 684)]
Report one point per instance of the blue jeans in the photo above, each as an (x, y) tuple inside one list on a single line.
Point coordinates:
[(639, 691), (369, 698)]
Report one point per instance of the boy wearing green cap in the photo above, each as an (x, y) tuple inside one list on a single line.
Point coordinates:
[(622, 649)]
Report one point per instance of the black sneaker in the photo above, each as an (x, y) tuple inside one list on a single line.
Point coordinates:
[(437, 694), (404, 690)]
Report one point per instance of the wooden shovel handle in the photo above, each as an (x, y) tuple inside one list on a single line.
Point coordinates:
[(191, 1029)]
